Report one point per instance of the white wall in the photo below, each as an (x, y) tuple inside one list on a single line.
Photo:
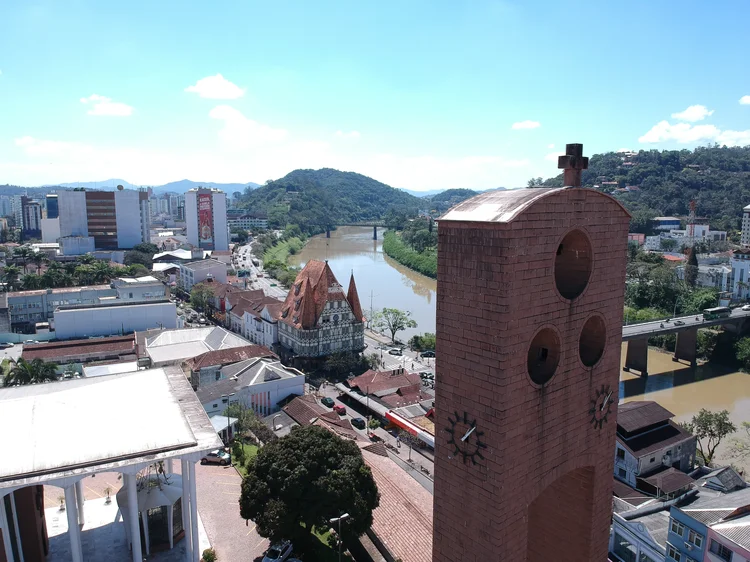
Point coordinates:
[(263, 397), (221, 233), (76, 245), (112, 320), (50, 230), (128, 219), (191, 217), (72, 207)]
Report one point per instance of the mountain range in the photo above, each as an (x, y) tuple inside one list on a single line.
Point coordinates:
[(175, 187)]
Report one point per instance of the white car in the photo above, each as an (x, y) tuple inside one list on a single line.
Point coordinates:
[(746, 307), (278, 552)]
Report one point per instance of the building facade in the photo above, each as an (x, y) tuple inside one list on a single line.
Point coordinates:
[(195, 272), (206, 219), (248, 222), (113, 317), (26, 308), (114, 219), (31, 217), (318, 318), (53, 211), (740, 282)]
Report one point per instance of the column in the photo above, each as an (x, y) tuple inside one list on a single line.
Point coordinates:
[(135, 531), (637, 356), (170, 525), (79, 500), (686, 347), (186, 510), (194, 513), (144, 517), (169, 467), (5, 530), (74, 531), (15, 525)]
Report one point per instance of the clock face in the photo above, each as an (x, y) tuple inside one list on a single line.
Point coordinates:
[(601, 406), (465, 438)]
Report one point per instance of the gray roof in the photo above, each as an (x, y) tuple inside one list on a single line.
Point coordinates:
[(496, 206), (178, 345), (221, 422), (657, 525), (251, 372), (280, 423), (46, 450), (202, 264)]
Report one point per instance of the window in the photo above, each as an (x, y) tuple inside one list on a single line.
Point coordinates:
[(652, 459), (622, 473), (645, 558), (673, 553), (695, 538), (623, 549), (676, 527), (218, 375), (620, 453), (720, 550)]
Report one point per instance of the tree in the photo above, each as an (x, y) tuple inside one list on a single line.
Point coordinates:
[(743, 351), (10, 276), (393, 320), (668, 244), (24, 254), (739, 447), (409, 439), (303, 480), (134, 256), (241, 234), (31, 372), (38, 258), (146, 248), (201, 296), (691, 268), (710, 428)]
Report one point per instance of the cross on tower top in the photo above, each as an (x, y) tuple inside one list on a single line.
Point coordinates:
[(572, 163)]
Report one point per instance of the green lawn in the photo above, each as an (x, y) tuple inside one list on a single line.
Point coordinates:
[(250, 452), (280, 251)]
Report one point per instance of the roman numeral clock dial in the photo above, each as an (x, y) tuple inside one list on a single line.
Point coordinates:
[(465, 438)]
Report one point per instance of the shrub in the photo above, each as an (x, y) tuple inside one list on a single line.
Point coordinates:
[(209, 555)]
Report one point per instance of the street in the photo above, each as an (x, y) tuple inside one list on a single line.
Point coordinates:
[(242, 259)]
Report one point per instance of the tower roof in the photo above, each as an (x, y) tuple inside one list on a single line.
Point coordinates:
[(353, 298), (315, 285)]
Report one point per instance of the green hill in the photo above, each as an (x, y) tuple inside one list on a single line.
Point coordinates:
[(717, 177), (316, 198)]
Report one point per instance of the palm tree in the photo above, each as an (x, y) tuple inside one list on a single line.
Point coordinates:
[(31, 372), (10, 276), (31, 282), (24, 254), (85, 259), (39, 258), (101, 272)]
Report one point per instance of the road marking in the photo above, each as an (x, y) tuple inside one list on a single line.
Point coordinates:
[(252, 529), (98, 495), (230, 493)]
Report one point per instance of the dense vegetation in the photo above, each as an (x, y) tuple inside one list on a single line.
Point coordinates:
[(276, 249), (415, 246), (717, 177), (314, 199)]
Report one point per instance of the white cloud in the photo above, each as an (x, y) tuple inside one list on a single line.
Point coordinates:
[(101, 105), (526, 125), (624, 150), (216, 88), (685, 133), (745, 100), (551, 145), (239, 132), (693, 113), (349, 135), (552, 156)]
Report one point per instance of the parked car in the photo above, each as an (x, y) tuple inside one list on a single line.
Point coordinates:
[(359, 423), (29, 342), (746, 307), (340, 410), (5, 345), (327, 402), (395, 351), (278, 552), (216, 457), (428, 353)]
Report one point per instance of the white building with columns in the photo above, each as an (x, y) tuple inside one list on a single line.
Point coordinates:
[(106, 429)]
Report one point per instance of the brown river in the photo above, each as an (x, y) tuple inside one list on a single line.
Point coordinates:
[(381, 282)]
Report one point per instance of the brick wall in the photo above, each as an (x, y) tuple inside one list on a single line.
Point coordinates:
[(496, 292)]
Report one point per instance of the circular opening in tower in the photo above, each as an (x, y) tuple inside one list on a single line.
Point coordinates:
[(543, 356), (573, 264), (592, 341)]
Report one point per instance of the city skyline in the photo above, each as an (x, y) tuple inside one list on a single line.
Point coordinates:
[(432, 95)]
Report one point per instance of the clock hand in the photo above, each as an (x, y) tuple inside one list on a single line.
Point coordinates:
[(606, 400), (466, 436)]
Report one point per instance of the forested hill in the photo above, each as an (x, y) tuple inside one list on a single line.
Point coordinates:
[(718, 178), (315, 198)]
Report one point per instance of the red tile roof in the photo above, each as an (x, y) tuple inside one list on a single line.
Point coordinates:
[(228, 356), (59, 351), (353, 298), (314, 286), (384, 382), (304, 409), (639, 414)]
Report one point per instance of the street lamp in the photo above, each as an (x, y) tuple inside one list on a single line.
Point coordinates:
[(226, 398), (339, 520)]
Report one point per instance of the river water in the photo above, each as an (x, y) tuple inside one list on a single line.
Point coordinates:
[(384, 283)]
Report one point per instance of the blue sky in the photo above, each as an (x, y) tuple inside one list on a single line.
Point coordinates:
[(418, 94)]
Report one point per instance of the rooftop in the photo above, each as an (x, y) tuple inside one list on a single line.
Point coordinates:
[(669, 480), (176, 345), (382, 383), (632, 416), (110, 369), (304, 410), (59, 290), (46, 449), (59, 351), (226, 356), (220, 422), (243, 374), (136, 280), (203, 264), (650, 441)]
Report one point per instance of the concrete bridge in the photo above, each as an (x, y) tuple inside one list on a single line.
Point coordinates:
[(373, 224), (686, 328)]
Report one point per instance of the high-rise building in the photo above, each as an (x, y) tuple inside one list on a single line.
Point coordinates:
[(206, 217), (6, 206), (745, 238), (16, 211), (31, 217), (52, 207), (114, 220)]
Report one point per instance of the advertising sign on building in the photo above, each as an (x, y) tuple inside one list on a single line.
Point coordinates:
[(205, 222)]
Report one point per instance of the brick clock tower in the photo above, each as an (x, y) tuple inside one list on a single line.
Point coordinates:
[(529, 328)]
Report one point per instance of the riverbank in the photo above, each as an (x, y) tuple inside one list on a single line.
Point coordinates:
[(424, 262), (283, 249)]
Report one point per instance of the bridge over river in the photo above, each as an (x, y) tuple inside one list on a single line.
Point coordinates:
[(686, 328)]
